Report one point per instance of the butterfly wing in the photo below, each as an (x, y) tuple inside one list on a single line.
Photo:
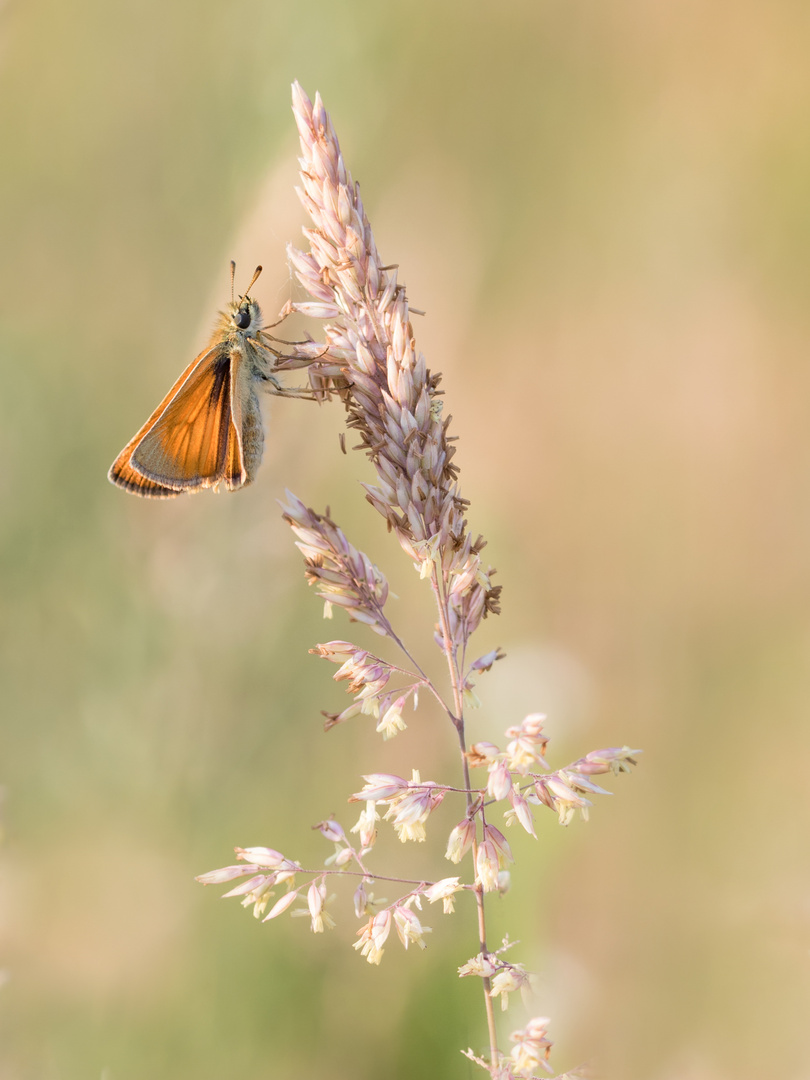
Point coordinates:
[(236, 472), (194, 443), (126, 477), (190, 441), (122, 471)]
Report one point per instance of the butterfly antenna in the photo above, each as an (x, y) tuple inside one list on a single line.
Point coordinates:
[(233, 273), (252, 283)]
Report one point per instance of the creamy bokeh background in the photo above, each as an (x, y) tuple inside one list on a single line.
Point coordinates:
[(604, 210)]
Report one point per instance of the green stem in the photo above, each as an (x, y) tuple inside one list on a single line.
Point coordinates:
[(458, 721)]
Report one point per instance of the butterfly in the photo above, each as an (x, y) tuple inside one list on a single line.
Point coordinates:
[(208, 429)]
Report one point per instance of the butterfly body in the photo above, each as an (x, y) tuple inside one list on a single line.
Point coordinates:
[(208, 429)]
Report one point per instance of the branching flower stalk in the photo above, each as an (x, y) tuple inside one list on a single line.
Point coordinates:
[(369, 360)]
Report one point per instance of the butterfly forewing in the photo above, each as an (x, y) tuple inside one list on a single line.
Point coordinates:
[(122, 471), (190, 441), (186, 447)]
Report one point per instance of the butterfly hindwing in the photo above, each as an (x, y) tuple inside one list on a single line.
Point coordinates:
[(130, 479), (235, 473)]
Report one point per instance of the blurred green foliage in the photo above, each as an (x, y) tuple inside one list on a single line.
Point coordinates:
[(604, 210)]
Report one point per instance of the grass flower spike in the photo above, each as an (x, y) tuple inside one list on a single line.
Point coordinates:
[(367, 357)]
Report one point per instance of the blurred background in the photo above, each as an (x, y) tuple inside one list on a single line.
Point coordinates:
[(604, 210)]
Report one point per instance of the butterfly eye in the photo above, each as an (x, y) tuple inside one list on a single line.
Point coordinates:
[(242, 319)]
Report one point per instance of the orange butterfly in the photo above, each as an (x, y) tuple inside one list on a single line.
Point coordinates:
[(208, 429)]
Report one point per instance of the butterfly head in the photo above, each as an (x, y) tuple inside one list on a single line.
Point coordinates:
[(244, 315)]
